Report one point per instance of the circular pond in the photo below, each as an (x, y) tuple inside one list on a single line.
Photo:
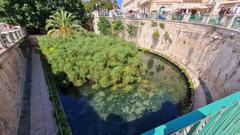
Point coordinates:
[(103, 112)]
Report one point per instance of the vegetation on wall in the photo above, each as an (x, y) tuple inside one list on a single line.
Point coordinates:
[(213, 29), (104, 26), (162, 25), (155, 34), (131, 29), (33, 13), (102, 61), (154, 24), (117, 26), (167, 37)]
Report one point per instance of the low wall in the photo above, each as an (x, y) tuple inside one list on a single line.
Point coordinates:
[(210, 54)]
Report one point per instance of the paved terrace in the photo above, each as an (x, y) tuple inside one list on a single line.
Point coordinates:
[(42, 120)]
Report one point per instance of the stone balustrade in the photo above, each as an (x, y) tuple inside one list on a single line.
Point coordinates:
[(11, 37)]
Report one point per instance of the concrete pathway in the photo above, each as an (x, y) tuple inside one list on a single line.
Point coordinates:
[(42, 119)]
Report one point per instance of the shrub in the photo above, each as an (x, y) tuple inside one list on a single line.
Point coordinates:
[(131, 30), (155, 34), (101, 61), (166, 36), (117, 26), (213, 29), (104, 26), (154, 24), (162, 26)]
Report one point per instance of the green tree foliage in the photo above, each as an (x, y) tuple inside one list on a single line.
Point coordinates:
[(33, 13), (104, 26), (61, 23), (101, 61), (104, 4), (117, 26)]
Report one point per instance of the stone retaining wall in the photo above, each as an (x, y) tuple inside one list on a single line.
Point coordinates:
[(12, 77)]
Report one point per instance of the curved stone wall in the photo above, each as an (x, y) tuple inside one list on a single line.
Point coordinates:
[(210, 54), (12, 73)]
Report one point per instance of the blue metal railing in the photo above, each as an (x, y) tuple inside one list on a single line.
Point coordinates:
[(222, 116), (229, 21)]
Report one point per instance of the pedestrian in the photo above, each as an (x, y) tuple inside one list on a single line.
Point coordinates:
[(228, 17), (236, 10), (221, 14)]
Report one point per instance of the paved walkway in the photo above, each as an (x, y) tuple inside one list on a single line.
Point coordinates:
[(42, 119)]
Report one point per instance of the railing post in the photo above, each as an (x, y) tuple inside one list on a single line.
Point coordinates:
[(230, 23), (206, 18), (19, 34), (1, 42), (16, 33), (186, 17), (9, 39), (169, 17), (14, 36)]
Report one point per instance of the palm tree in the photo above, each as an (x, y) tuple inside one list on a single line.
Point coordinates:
[(62, 23)]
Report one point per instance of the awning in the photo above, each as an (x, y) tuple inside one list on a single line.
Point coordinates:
[(166, 9), (143, 2), (192, 6)]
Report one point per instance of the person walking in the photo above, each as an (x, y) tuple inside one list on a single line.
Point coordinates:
[(236, 10), (236, 21), (221, 14)]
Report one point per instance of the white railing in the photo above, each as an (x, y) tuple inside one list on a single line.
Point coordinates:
[(11, 37)]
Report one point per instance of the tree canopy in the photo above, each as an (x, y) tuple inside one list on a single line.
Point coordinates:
[(33, 13), (105, 4), (101, 61)]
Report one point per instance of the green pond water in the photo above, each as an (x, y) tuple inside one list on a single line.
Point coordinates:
[(128, 113)]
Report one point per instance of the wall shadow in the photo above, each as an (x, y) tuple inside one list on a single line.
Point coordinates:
[(84, 120)]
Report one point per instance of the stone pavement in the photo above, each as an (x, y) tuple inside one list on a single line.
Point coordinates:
[(42, 119)]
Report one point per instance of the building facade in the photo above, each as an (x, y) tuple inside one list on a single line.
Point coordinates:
[(152, 6), (128, 5), (218, 4)]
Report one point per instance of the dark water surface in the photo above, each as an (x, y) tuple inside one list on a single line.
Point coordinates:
[(104, 113)]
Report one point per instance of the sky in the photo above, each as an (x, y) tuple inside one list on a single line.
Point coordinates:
[(119, 3)]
